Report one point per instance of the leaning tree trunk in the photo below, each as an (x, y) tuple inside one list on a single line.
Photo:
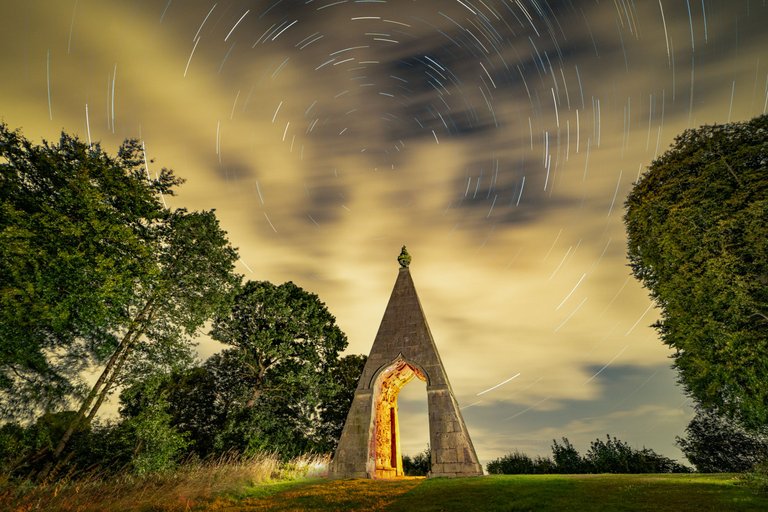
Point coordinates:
[(95, 397)]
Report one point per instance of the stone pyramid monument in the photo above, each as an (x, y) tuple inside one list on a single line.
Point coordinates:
[(403, 349)]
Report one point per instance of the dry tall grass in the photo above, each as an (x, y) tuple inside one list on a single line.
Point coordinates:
[(180, 490)]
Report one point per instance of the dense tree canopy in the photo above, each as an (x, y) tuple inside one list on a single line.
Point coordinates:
[(75, 240), (280, 387), (697, 226), (285, 346), (97, 273), (283, 335)]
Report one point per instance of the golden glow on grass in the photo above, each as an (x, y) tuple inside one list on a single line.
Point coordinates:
[(356, 494)]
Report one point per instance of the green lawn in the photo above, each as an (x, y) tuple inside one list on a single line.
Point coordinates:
[(562, 493)]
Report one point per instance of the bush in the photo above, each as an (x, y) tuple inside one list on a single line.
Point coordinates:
[(609, 456), (419, 465), (515, 463), (567, 459), (616, 456), (716, 444), (757, 479)]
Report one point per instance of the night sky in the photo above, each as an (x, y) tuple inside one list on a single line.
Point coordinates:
[(497, 139)]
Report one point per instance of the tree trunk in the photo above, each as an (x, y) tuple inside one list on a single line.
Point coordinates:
[(107, 375), (119, 364), (111, 380)]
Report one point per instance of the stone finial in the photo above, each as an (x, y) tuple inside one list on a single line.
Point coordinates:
[(404, 259)]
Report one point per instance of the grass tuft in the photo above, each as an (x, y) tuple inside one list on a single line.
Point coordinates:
[(183, 489)]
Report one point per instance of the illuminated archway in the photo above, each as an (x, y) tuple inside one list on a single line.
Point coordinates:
[(384, 449)]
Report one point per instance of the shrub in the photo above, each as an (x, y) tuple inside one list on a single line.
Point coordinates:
[(757, 478), (716, 444), (616, 456), (566, 458), (609, 456), (419, 465), (515, 463)]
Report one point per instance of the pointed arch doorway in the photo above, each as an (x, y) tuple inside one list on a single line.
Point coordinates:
[(385, 448)]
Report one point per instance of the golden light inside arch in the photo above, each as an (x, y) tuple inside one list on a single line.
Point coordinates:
[(385, 444)]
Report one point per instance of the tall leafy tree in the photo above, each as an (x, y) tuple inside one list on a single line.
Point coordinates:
[(95, 272), (284, 335), (285, 343), (697, 226), (191, 282), (75, 241)]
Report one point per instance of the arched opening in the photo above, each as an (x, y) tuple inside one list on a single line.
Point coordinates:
[(413, 421), (385, 447)]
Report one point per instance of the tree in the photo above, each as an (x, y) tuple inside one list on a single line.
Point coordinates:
[(96, 272), (717, 444), (280, 386), (284, 335), (697, 227), (75, 240), (157, 444), (191, 282), (336, 399), (286, 344)]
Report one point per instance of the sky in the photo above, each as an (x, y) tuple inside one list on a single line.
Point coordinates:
[(497, 139)]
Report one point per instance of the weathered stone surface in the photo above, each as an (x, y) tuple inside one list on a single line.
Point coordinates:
[(403, 349)]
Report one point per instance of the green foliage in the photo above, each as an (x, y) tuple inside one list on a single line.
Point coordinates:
[(518, 463), (96, 272), (24, 449), (697, 226), (616, 456), (715, 444), (280, 388), (74, 232), (158, 445), (418, 465), (757, 478), (566, 458), (609, 456), (285, 349), (336, 396)]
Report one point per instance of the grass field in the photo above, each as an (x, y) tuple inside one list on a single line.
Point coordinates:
[(266, 484), (657, 493)]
